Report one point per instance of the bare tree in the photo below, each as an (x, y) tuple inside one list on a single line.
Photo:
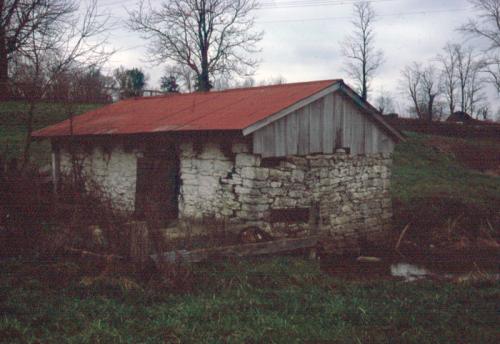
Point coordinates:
[(273, 80), (486, 27), (385, 102), (184, 75), (430, 90), (422, 85), (483, 112), (474, 90), (411, 85), (462, 77), (20, 20), (465, 60), (359, 48), (448, 62), (212, 37), (78, 43)]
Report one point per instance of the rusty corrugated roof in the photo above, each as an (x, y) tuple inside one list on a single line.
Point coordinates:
[(234, 109)]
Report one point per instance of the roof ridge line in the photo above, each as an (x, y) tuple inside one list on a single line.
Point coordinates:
[(234, 89)]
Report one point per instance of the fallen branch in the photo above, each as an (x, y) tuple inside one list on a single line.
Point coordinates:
[(84, 254), (401, 236)]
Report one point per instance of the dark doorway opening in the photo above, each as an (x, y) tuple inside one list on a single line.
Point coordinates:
[(157, 188)]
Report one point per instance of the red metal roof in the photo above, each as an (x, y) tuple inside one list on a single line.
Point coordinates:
[(234, 109)]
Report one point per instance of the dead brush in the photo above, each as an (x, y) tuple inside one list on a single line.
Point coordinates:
[(477, 276), (175, 276)]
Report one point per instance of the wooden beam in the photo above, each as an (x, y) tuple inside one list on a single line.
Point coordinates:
[(245, 250)]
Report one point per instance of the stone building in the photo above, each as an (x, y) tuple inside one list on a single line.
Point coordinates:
[(290, 159)]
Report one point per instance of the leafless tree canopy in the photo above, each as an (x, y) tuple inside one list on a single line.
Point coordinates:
[(45, 60), (359, 48), (422, 85), (448, 62), (463, 78), (486, 27), (410, 84), (430, 89), (212, 37), (21, 20), (385, 103)]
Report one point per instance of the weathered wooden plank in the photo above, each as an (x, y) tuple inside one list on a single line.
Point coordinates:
[(268, 120), (375, 140), (369, 129), (346, 127), (268, 142), (327, 130), (279, 138), (257, 142), (315, 122), (337, 121), (331, 122), (292, 134), (245, 250), (303, 144)]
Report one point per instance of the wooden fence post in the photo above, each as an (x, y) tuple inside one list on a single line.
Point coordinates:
[(139, 244)]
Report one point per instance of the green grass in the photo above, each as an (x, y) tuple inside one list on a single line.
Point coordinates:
[(420, 170), (429, 183), (279, 300), (13, 130)]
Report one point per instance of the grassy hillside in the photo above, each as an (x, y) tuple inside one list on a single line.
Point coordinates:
[(433, 182), (13, 130)]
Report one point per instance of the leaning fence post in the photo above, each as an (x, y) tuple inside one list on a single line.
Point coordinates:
[(139, 244)]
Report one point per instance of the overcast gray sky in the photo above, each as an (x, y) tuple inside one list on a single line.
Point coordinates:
[(302, 42)]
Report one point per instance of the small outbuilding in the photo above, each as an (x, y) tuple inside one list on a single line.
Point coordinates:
[(462, 118), (290, 159)]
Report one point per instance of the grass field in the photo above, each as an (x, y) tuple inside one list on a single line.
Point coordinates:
[(273, 300), (264, 300), (13, 129), (431, 185)]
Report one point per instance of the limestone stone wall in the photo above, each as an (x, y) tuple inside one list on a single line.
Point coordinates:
[(114, 171), (349, 195)]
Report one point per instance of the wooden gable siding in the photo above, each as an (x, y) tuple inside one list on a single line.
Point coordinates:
[(331, 122)]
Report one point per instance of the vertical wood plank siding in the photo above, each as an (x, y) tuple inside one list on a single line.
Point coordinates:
[(320, 127)]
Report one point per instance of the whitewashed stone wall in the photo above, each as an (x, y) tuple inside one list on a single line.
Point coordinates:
[(351, 193), (232, 186), (115, 172), (202, 195)]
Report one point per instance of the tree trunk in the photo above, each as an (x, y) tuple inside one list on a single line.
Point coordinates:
[(204, 78), (29, 130), (4, 68), (364, 93), (430, 107)]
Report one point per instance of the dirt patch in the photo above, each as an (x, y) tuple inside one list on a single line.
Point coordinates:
[(415, 264)]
